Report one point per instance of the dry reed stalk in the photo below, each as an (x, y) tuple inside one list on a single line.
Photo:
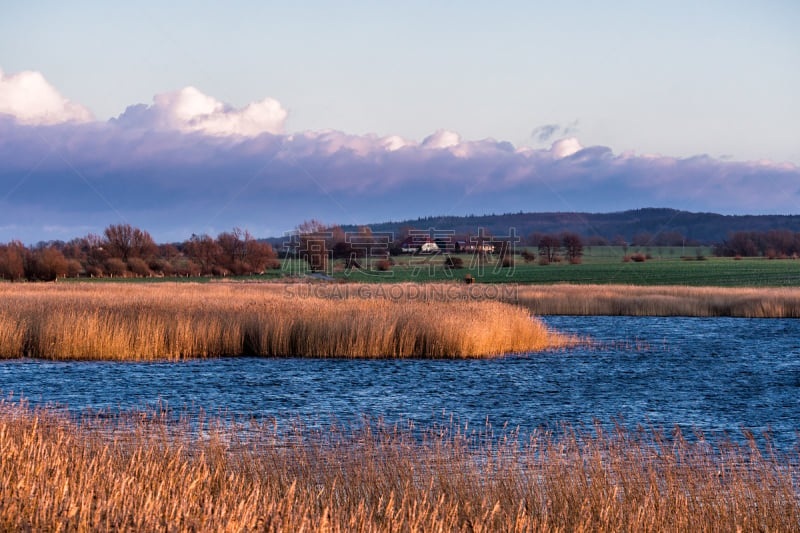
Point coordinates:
[(145, 472), (633, 300), (175, 321), (573, 299)]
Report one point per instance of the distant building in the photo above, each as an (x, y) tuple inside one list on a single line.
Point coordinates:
[(413, 245), (429, 248), (471, 247)]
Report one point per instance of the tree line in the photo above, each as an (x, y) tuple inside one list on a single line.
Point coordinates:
[(126, 251), (772, 244)]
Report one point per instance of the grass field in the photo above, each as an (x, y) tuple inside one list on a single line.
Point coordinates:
[(146, 472), (600, 266)]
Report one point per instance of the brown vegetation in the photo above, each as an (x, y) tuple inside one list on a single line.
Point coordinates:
[(528, 256), (623, 300), (125, 251), (573, 247), (453, 262), (774, 244), (384, 265), (634, 300), (141, 472), (172, 321)]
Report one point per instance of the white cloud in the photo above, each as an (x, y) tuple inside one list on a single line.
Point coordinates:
[(442, 139), (29, 98), (565, 147), (189, 110), (395, 142)]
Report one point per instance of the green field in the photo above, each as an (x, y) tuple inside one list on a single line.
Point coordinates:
[(601, 265)]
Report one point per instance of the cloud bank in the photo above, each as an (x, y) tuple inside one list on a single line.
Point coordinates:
[(30, 99), (187, 163), (189, 110)]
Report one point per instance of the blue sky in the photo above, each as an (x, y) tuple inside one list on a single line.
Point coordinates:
[(683, 104), (676, 78)]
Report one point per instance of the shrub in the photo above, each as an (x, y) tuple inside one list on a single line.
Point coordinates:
[(161, 266), (507, 262), (115, 267), (638, 257), (74, 268), (453, 262), (46, 264), (186, 267), (384, 265), (529, 257), (217, 270), (138, 267), (94, 271)]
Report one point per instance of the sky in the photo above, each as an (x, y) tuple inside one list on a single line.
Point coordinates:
[(193, 117)]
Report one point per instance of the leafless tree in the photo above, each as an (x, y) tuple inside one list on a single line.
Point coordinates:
[(573, 246), (123, 241)]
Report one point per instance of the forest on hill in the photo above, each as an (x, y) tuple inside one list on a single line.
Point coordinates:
[(653, 225)]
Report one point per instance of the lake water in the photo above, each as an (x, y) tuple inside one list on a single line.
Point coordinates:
[(718, 375)]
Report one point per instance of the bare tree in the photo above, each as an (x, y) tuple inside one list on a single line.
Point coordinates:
[(204, 251), (573, 246), (549, 247), (12, 257), (314, 244), (124, 241)]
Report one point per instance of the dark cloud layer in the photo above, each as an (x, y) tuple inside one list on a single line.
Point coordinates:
[(55, 178), (189, 164)]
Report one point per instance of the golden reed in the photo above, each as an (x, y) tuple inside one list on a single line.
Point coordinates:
[(144, 321), (143, 472), (635, 300)]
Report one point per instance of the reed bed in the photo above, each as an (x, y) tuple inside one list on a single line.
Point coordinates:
[(632, 300), (570, 299), (176, 321), (578, 299), (142, 472)]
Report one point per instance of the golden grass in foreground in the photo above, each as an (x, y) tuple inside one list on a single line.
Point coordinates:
[(173, 321), (141, 473)]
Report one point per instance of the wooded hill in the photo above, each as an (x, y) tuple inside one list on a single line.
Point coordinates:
[(704, 228)]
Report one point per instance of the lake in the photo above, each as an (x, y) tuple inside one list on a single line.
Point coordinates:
[(717, 375)]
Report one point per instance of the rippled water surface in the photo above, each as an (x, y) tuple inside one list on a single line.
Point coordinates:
[(716, 375)]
